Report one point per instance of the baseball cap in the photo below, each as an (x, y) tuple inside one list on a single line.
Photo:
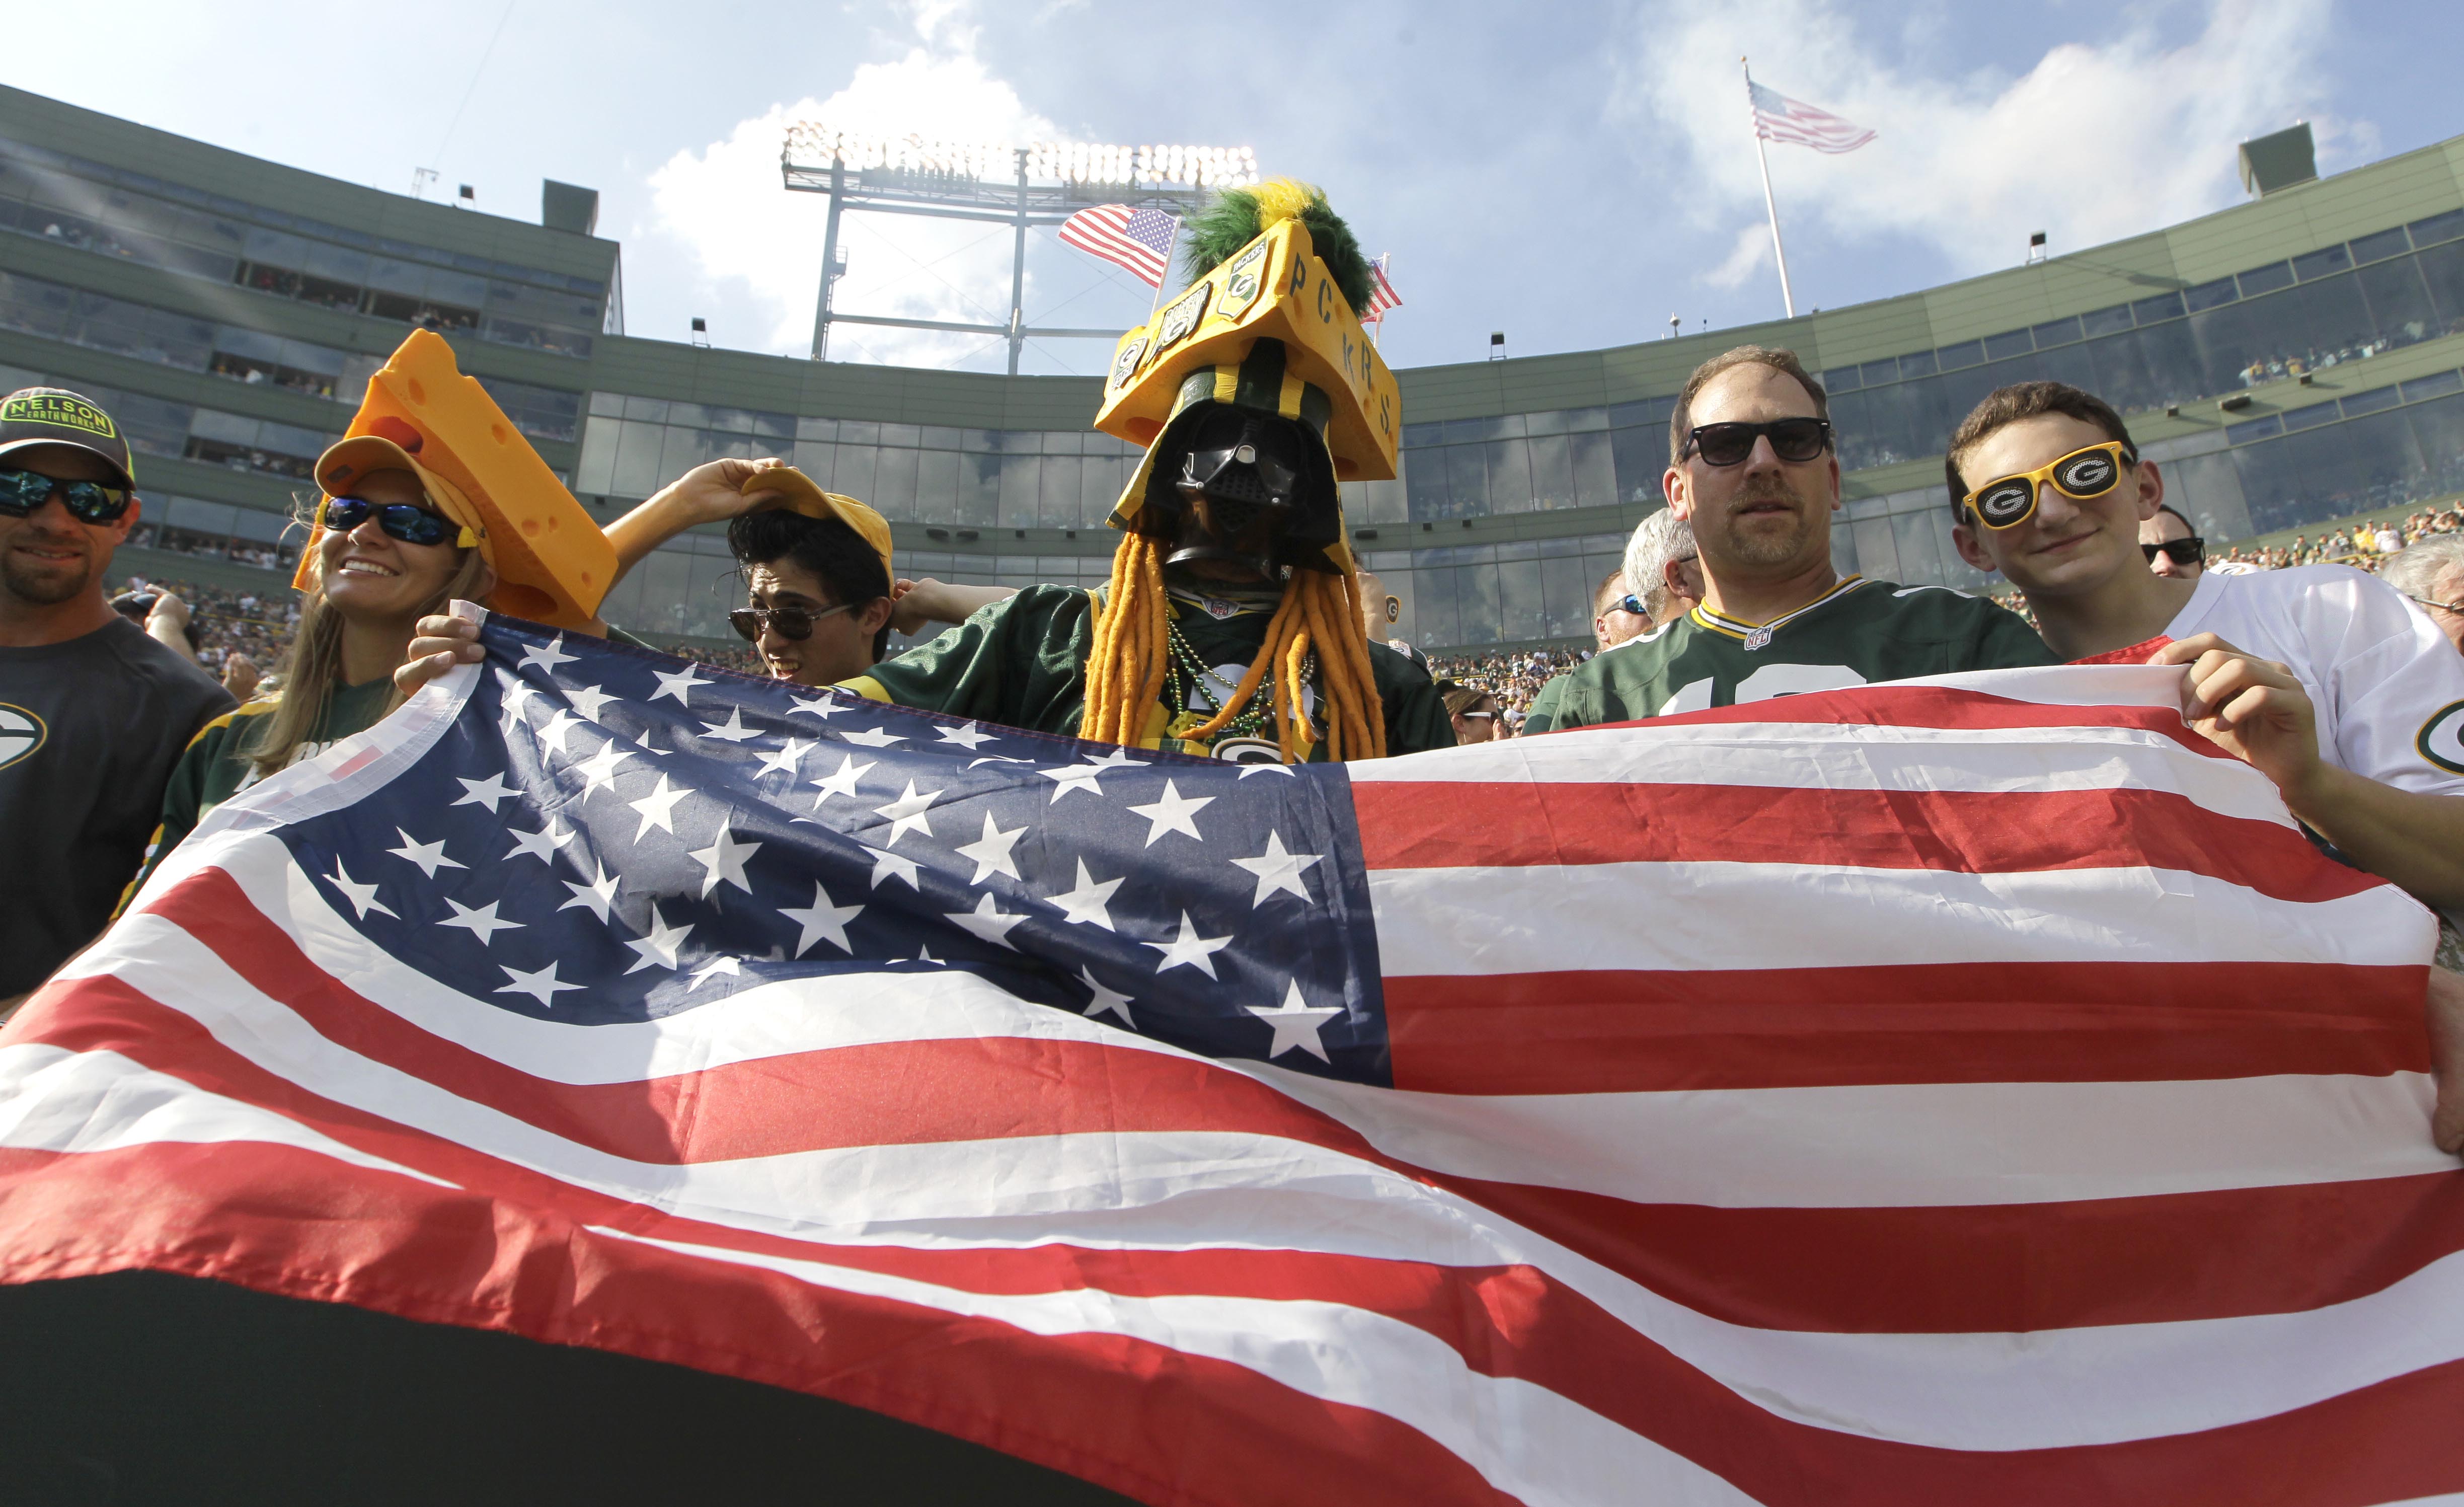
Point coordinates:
[(799, 492), (32, 416)]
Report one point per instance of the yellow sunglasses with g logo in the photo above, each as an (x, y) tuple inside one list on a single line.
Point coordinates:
[(2008, 501)]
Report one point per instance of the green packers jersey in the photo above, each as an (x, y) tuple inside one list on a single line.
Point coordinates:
[(1542, 713), (1022, 662), (1858, 632)]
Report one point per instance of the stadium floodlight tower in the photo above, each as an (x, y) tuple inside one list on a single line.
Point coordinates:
[(1043, 182)]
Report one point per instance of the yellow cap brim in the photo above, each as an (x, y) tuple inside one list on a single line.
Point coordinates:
[(799, 492)]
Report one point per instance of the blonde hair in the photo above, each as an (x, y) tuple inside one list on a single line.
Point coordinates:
[(315, 664), (1320, 611)]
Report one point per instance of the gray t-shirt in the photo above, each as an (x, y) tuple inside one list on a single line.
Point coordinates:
[(89, 731)]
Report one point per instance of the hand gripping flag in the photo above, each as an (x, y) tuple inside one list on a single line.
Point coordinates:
[(1138, 239), (1973, 1090), (1778, 117)]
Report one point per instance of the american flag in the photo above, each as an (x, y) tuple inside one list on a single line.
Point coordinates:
[(1778, 117), (1382, 294), (1138, 239), (1975, 1090)]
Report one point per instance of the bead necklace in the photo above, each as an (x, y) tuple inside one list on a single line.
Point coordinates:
[(1187, 670)]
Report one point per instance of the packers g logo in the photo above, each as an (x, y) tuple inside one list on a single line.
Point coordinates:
[(2442, 739), (2085, 475), (21, 733)]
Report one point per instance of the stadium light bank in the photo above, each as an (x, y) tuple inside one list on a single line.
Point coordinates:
[(1038, 184)]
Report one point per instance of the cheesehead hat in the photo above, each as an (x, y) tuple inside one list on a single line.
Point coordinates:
[(552, 564), (1268, 325)]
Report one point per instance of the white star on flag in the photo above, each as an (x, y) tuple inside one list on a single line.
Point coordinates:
[(1083, 776), (988, 921), (558, 728), (889, 864), (1279, 869), (600, 768), (724, 858), (908, 812), (783, 760), (516, 696), (991, 851), (678, 685), (840, 781), (540, 985), (1086, 903), (1173, 813), (1189, 949), (1297, 1024), (712, 968), (490, 792), (1111, 1000), (589, 700), (541, 844), (872, 737), (732, 730), (429, 855), (657, 808), (822, 921), (660, 946), (362, 896), (545, 656), (596, 897), (970, 737), (481, 923), (821, 706)]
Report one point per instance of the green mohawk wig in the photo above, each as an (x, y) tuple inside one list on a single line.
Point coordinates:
[(1239, 217)]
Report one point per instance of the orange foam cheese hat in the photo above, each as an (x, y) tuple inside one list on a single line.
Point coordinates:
[(552, 564)]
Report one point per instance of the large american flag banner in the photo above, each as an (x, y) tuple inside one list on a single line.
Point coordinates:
[(1975, 1090), (1778, 117), (1138, 239)]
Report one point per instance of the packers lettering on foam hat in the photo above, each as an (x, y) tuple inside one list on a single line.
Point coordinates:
[(33, 416), (799, 492)]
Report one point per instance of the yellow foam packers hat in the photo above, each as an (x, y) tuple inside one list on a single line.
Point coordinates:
[(799, 492), (421, 415)]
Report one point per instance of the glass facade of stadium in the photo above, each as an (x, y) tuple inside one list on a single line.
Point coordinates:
[(2293, 360)]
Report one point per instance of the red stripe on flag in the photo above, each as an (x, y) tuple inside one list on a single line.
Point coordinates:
[(1631, 1030), (1454, 824)]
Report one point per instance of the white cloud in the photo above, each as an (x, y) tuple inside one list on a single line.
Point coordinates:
[(726, 206), (2094, 142), (1750, 253)]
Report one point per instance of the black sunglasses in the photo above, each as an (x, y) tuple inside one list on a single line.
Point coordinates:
[(404, 521), (2181, 551), (22, 491), (792, 622), (1792, 439)]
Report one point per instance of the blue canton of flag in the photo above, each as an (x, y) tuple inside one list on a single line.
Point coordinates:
[(602, 836)]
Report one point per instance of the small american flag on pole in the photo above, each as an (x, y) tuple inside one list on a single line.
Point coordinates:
[(1138, 239), (1382, 294), (1778, 117)]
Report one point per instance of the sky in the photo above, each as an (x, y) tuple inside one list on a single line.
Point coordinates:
[(1573, 175)]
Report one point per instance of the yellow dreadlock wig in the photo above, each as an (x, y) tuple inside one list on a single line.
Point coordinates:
[(1267, 325)]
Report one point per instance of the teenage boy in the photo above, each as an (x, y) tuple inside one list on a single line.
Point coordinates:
[(93, 711), (2321, 677), (1753, 468)]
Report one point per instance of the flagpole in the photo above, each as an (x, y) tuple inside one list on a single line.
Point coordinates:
[(1762, 155), (1170, 246)]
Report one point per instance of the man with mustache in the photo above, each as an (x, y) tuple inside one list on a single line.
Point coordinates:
[(1753, 471)]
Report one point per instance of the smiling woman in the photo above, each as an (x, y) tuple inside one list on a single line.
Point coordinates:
[(387, 551)]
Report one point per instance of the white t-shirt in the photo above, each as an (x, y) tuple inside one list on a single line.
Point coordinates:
[(2387, 685)]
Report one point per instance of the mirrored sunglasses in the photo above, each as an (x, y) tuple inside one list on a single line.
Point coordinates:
[(22, 491), (407, 522), (2008, 501)]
